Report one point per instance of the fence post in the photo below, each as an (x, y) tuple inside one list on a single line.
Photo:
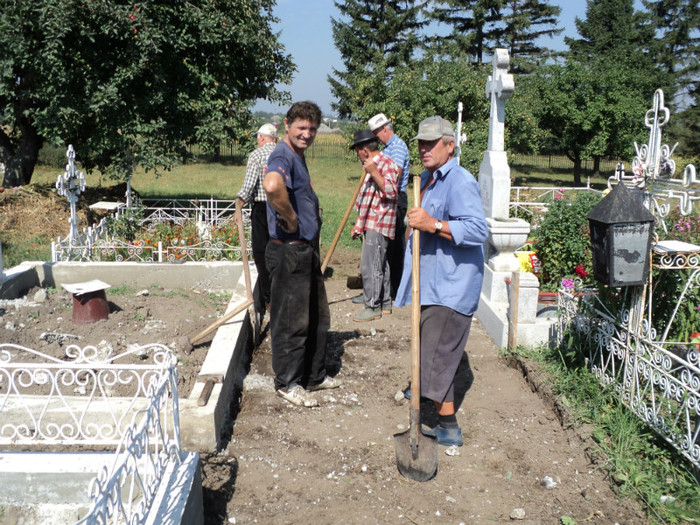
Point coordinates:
[(160, 251)]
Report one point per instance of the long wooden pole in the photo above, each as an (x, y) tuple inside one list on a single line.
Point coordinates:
[(342, 224)]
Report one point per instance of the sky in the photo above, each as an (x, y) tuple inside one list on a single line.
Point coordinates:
[(305, 31)]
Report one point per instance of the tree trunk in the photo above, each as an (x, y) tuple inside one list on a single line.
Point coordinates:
[(20, 162), (596, 165), (577, 170)]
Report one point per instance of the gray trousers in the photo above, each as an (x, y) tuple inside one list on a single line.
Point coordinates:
[(374, 267)]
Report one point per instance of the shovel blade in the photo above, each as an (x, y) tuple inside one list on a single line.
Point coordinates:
[(416, 458)]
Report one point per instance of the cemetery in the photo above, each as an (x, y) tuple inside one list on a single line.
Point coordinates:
[(117, 423)]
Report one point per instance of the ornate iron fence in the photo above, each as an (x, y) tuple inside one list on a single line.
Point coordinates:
[(49, 401), (658, 381), (98, 244)]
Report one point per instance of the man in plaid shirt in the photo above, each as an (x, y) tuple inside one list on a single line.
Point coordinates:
[(376, 220), (252, 191)]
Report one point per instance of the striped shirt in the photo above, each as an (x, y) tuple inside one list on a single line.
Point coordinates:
[(397, 150), (254, 173), (376, 210)]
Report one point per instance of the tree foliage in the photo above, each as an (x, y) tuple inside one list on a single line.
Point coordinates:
[(591, 109), (131, 83), (435, 87), (375, 39), (525, 22), (472, 24)]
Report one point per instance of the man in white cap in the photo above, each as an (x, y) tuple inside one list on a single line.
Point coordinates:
[(396, 150), (252, 191), (450, 218)]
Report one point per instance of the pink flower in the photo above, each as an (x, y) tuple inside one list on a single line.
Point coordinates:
[(567, 284)]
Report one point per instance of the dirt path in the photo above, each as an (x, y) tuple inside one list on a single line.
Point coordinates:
[(337, 463)]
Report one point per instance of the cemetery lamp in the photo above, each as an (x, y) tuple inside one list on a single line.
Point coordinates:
[(621, 232)]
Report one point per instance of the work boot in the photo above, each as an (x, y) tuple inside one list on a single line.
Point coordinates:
[(369, 314), (358, 299), (446, 436)]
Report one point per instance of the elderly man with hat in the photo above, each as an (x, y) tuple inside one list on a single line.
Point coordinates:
[(376, 220), (252, 191), (396, 150), (450, 219)]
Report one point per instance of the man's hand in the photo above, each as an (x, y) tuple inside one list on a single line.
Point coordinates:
[(419, 219), (288, 226), (356, 234)]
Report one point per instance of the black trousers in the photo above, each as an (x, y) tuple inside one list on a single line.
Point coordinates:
[(299, 314), (397, 246), (258, 238)]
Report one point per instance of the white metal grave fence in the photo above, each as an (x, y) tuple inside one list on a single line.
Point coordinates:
[(97, 242), (96, 400), (658, 381)]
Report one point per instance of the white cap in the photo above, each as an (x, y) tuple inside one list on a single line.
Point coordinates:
[(267, 129), (377, 121)]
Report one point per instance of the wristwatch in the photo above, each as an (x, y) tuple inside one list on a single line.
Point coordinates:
[(438, 226)]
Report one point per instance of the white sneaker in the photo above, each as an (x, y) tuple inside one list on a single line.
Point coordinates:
[(328, 383), (297, 396)]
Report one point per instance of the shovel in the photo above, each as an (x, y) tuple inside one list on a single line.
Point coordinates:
[(416, 453), (343, 222)]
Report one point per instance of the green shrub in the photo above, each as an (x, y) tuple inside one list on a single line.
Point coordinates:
[(563, 239)]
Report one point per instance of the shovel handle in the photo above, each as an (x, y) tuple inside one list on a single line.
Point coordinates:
[(244, 256), (342, 224), (415, 313)]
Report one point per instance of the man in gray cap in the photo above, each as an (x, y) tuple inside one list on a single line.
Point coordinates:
[(252, 191), (450, 219), (376, 220), (396, 149)]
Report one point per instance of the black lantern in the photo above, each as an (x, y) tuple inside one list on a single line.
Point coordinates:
[(621, 232)]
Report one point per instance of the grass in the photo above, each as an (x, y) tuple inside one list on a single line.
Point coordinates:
[(641, 464)]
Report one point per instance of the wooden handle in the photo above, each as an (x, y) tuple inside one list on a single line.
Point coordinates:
[(342, 224), (216, 324), (244, 256), (415, 308)]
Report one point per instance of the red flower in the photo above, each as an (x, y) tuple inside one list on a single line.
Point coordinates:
[(581, 272)]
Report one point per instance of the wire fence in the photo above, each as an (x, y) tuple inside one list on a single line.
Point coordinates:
[(559, 162)]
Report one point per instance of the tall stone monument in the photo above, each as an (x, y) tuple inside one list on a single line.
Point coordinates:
[(505, 234)]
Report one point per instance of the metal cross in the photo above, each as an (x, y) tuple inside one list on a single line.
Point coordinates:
[(70, 185)]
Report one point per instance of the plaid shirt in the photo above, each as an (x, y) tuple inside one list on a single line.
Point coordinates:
[(376, 210), (252, 183)]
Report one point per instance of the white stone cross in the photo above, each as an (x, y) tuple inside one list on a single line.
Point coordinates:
[(499, 87)]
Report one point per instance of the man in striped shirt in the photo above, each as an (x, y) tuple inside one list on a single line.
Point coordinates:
[(376, 220), (396, 150), (252, 191)]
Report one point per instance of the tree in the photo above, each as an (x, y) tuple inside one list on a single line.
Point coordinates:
[(435, 87), (375, 38), (677, 46), (472, 24), (591, 109), (131, 84), (612, 30), (524, 23)]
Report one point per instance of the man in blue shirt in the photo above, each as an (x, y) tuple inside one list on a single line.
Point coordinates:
[(299, 312), (450, 219), (396, 150)]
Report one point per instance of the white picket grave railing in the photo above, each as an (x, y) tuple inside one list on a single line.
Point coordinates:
[(94, 400)]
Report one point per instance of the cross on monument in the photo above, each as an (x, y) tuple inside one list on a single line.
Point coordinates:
[(499, 87)]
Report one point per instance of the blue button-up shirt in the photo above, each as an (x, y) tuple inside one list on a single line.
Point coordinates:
[(451, 272), (397, 151)]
